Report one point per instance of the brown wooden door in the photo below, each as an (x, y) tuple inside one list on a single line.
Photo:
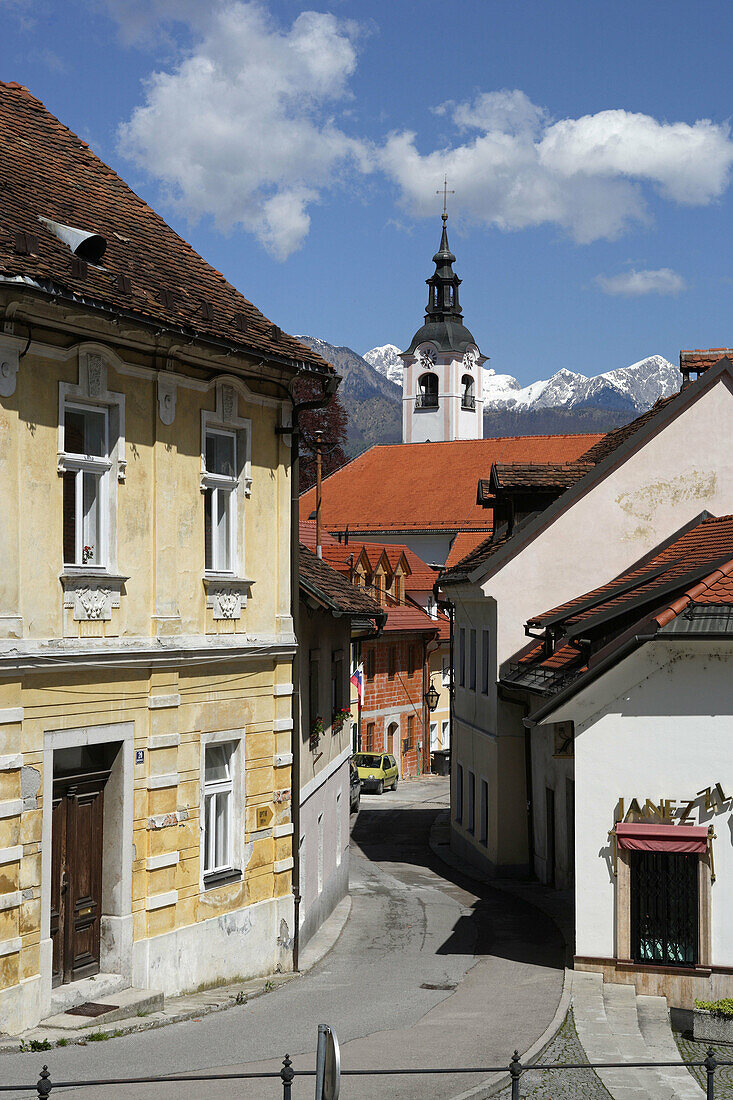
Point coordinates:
[(76, 878)]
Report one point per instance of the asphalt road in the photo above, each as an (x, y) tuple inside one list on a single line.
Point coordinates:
[(430, 970)]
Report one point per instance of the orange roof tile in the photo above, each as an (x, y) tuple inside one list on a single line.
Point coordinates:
[(428, 486), (463, 544), (695, 567)]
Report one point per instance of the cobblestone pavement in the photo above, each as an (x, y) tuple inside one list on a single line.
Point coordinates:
[(572, 1084), (695, 1052)]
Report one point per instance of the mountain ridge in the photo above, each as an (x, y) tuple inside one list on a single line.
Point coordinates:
[(568, 402)]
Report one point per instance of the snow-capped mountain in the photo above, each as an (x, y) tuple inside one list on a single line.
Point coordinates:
[(387, 361), (635, 387)]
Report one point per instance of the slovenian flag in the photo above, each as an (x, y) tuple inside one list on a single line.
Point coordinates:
[(357, 679)]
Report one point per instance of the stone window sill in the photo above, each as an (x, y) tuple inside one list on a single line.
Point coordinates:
[(222, 878)]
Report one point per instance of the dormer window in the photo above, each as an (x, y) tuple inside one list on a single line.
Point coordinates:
[(427, 397), (468, 397)]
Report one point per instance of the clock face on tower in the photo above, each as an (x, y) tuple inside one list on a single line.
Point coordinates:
[(469, 358), (427, 356)]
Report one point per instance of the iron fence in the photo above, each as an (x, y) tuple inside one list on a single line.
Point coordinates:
[(287, 1074)]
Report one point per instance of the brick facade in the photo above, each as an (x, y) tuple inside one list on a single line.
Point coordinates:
[(397, 699)]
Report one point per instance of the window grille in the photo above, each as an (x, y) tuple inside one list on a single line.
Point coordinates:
[(664, 908)]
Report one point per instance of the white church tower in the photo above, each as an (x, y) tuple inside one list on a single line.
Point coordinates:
[(442, 386)]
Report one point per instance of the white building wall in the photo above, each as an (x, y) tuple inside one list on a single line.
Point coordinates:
[(665, 732), (686, 468), (683, 470)]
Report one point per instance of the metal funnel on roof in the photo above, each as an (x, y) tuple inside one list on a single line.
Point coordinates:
[(85, 245)]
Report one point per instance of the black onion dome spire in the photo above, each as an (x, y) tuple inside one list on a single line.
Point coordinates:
[(444, 325)]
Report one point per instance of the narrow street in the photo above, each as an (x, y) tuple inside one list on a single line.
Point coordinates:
[(430, 970)]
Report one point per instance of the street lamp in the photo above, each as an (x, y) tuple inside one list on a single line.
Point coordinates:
[(431, 697)]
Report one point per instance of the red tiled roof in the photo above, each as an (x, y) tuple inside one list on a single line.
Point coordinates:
[(308, 535), (463, 544), (694, 568), (716, 590), (405, 617), (428, 486), (699, 359), (147, 270), (707, 542), (538, 475), (325, 583)]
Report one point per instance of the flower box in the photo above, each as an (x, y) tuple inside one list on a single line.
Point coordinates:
[(713, 1023)]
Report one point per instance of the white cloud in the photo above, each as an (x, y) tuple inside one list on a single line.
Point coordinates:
[(586, 175), (241, 127), (632, 284)]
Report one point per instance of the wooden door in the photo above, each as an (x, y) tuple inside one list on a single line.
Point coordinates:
[(76, 878)]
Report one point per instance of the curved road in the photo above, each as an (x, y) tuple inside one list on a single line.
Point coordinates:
[(430, 970)]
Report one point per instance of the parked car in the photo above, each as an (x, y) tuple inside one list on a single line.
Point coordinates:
[(376, 770), (354, 788)]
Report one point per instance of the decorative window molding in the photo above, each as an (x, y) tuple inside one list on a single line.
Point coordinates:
[(91, 594), (226, 595), (92, 389)]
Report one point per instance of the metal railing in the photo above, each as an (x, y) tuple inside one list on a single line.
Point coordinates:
[(468, 401), (287, 1074), (426, 401)]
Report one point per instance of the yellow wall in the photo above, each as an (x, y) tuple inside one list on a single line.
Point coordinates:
[(160, 548)]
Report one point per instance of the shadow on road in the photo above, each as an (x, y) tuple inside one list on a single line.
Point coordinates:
[(499, 925)]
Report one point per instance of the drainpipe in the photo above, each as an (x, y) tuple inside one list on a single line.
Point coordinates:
[(319, 437)]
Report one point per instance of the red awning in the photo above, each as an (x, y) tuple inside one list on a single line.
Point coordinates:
[(645, 837)]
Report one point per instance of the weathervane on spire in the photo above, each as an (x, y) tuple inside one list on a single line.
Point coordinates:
[(445, 193)]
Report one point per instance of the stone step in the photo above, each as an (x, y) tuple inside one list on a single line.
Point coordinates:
[(123, 1004), (95, 988), (653, 1015), (609, 1027)]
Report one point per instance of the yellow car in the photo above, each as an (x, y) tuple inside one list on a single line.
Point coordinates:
[(377, 770)]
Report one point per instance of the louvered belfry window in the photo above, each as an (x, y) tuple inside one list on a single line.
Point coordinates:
[(664, 908)]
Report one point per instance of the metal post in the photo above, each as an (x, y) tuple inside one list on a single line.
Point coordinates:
[(515, 1072), (710, 1067), (287, 1073), (44, 1086)]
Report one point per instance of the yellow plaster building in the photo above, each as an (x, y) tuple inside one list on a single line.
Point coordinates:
[(146, 634)]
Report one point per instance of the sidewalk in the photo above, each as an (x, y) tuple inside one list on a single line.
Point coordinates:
[(191, 1006)]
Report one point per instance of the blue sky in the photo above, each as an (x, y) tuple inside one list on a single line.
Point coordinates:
[(299, 150)]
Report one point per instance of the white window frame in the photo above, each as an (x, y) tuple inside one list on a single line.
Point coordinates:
[(445, 733), (225, 420), (212, 788), (434, 737), (445, 672), (97, 465), (216, 484), (235, 740), (92, 393)]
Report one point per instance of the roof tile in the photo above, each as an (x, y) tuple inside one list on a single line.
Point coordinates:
[(147, 269)]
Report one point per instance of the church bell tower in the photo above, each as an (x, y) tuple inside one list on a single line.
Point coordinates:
[(442, 383)]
